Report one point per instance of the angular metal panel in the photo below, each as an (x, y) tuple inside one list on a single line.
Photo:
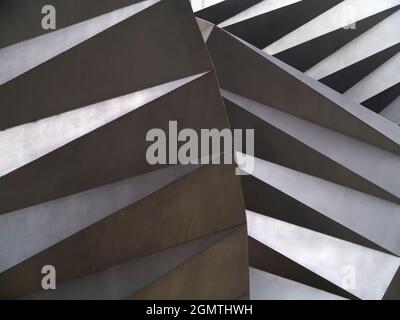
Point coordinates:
[(327, 256), (217, 273)]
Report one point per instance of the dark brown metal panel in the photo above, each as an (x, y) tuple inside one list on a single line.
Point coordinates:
[(155, 46), (206, 201), (115, 151), (120, 281), (248, 73), (220, 272), (21, 19)]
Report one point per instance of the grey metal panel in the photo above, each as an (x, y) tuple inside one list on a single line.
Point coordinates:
[(266, 286), (392, 111), (382, 36), (357, 211), (250, 72), (256, 10), (393, 292), (307, 54), (279, 22), (343, 14), (205, 28), (275, 145), (379, 80), (381, 100), (198, 5), (378, 166), (263, 198), (327, 256), (224, 10), (344, 79), (26, 232), (266, 259)]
